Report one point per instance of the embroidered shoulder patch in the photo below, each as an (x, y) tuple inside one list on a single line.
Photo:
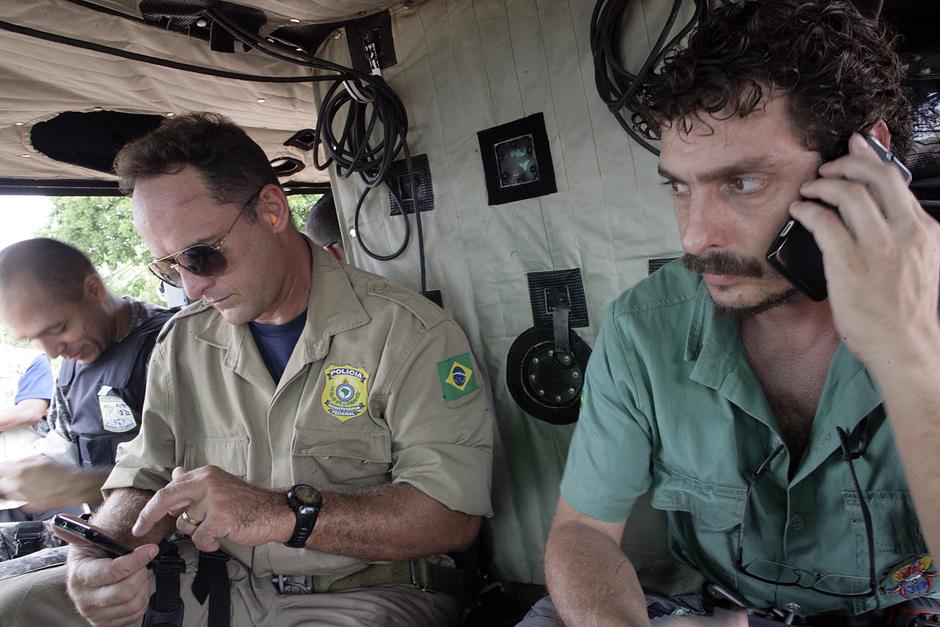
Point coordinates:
[(346, 392), (116, 416), (457, 377), (912, 578)]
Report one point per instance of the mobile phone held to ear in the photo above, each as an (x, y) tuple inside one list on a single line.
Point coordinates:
[(795, 254), (77, 531)]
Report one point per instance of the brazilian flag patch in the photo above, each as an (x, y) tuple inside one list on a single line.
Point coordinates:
[(457, 377)]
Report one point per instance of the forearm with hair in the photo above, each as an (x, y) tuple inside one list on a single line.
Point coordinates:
[(393, 522), (25, 413), (119, 512), (590, 580), (912, 401)]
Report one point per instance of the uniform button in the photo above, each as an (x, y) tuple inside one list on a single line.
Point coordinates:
[(380, 285), (793, 608), (797, 522)]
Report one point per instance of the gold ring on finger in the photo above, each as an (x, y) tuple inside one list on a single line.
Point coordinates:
[(189, 520)]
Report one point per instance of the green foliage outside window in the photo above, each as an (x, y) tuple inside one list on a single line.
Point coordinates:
[(103, 228)]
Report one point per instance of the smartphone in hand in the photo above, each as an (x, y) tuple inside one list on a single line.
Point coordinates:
[(795, 254), (77, 531)]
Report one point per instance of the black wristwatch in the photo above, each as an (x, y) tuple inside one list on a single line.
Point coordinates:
[(306, 503)]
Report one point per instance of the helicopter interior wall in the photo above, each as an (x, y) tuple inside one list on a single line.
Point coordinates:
[(468, 65)]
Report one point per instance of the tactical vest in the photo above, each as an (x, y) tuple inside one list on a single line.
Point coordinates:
[(105, 398)]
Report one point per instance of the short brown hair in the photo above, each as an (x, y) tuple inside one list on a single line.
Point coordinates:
[(322, 223), (59, 268), (232, 165), (836, 67)]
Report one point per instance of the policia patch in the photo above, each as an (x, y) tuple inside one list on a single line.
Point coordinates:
[(116, 416), (346, 392), (457, 377)]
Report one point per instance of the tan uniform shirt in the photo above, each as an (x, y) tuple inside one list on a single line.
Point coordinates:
[(380, 388)]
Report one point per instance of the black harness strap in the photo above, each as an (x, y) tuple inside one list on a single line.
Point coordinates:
[(29, 538), (166, 606), (212, 581)]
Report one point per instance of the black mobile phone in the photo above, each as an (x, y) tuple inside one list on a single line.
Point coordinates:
[(795, 254), (74, 528)]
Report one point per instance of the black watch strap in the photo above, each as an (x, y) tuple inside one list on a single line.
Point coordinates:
[(306, 502)]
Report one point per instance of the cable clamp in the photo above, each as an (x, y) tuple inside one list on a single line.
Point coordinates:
[(355, 90)]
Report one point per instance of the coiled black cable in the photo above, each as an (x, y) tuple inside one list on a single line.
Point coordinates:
[(372, 109), (617, 87)]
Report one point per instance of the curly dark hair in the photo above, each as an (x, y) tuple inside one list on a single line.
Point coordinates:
[(232, 165), (838, 70)]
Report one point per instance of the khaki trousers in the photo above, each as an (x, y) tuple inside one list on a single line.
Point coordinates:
[(39, 599)]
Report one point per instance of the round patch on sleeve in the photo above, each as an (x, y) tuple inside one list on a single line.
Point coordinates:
[(346, 392), (911, 578)]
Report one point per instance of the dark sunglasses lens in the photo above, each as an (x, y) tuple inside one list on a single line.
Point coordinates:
[(166, 273), (202, 261)]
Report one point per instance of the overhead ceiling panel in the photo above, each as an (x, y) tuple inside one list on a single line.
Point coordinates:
[(39, 79)]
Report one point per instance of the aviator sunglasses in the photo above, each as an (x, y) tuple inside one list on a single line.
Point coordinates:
[(206, 260)]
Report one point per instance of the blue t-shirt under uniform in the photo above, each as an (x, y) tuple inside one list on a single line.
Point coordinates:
[(36, 382), (276, 342)]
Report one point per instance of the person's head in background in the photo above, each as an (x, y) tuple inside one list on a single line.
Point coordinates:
[(322, 227), (50, 293)]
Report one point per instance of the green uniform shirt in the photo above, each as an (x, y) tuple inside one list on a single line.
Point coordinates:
[(380, 388), (672, 406)]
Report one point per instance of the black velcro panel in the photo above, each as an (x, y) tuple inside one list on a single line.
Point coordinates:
[(371, 36), (517, 161), (658, 262), (541, 288), (400, 183)]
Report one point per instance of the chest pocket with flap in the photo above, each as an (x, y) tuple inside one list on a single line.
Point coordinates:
[(229, 454), (326, 457), (705, 516)]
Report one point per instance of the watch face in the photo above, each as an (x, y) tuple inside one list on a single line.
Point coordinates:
[(306, 495)]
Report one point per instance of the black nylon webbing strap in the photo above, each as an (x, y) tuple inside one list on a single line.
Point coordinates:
[(212, 581), (29, 538), (166, 606)]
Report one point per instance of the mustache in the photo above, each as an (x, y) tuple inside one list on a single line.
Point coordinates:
[(723, 263)]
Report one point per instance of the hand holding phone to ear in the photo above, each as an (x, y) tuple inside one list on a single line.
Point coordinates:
[(881, 259)]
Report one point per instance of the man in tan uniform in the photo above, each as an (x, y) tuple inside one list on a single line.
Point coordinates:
[(295, 370)]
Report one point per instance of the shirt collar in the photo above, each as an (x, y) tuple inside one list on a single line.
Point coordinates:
[(720, 362), (712, 342), (333, 307)]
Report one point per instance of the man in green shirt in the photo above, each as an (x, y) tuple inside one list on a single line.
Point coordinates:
[(789, 440)]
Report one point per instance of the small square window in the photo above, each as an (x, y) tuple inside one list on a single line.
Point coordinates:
[(516, 161)]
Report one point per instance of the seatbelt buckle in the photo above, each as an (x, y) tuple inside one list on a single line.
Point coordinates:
[(420, 577)]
